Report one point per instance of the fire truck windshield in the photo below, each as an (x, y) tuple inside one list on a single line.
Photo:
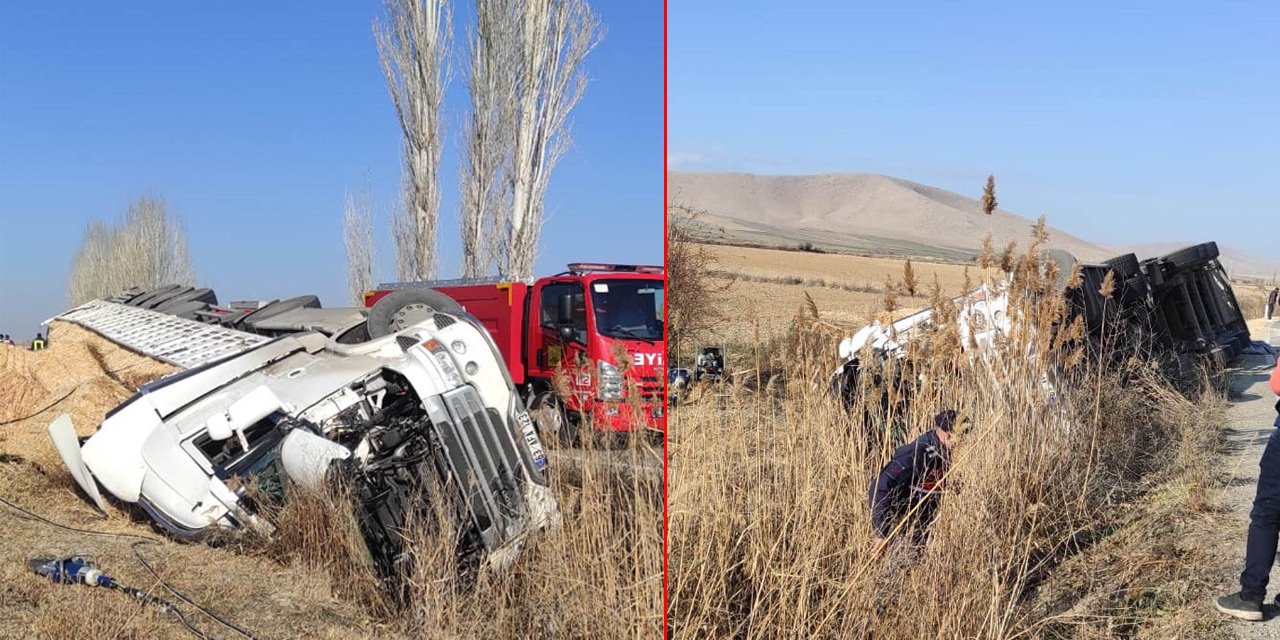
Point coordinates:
[(628, 309)]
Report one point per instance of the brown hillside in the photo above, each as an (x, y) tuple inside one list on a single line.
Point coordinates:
[(855, 212)]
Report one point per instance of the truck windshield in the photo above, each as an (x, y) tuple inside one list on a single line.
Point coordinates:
[(628, 309)]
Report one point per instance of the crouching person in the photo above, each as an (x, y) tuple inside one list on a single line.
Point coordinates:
[(1264, 530), (908, 486)]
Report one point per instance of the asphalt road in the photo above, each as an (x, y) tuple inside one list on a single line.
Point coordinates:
[(1249, 425)]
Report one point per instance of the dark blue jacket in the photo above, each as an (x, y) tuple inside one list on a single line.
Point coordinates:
[(908, 477)]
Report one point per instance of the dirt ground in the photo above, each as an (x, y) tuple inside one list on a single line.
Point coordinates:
[(84, 376), (760, 290), (598, 575), (1247, 431)]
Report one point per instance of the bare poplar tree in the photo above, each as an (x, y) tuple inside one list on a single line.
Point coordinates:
[(413, 46), (488, 139), (404, 232), (90, 268), (555, 37), (357, 235), (147, 249), (690, 291)]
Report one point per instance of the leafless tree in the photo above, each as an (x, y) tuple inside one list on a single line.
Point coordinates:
[(91, 265), (147, 249), (554, 37), (357, 235), (413, 45), (404, 233), (488, 139), (690, 291)]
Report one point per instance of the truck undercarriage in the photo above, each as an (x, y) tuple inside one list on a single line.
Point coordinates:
[(1178, 308)]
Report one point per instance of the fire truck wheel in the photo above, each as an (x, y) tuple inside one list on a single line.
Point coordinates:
[(549, 416), (407, 307)]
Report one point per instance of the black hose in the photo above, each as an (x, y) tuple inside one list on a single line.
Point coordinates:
[(181, 596), (140, 540)]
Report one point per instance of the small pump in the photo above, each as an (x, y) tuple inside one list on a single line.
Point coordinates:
[(78, 569)]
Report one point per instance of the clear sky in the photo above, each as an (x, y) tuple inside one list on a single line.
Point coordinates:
[(1123, 122), (253, 119)]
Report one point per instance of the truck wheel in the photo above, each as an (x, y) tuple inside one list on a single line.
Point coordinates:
[(551, 419), (1193, 255), (1125, 266), (275, 308), (186, 309), (143, 298), (158, 300), (402, 309)]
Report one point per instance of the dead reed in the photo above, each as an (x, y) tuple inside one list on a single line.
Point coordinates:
[(769, 521)]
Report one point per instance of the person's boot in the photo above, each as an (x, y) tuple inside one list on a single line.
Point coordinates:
[(1234, 605)]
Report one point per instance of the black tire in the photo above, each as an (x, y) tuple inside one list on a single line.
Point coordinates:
[(159, 300), (143, 298), (278, 307), (125, 296), (406, 307), (1125, 266), (202, 294), (1193, 255), (185, 309)]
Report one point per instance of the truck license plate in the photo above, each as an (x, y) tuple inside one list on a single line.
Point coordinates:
[(531, 439)]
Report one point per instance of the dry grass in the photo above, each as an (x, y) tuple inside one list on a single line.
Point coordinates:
[(1252, 296), (598, 575), (757, 290), (838, 269), (769, 523)]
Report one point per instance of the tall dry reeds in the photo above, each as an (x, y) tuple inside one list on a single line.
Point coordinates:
[(597, 575), (769, 521)]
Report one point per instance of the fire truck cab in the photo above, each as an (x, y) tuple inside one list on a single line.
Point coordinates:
[(584, 347)]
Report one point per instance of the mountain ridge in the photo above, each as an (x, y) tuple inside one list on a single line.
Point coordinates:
[(880, 215)]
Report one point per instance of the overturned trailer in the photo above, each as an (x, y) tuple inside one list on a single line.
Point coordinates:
[(1180, 304), (424, 412)]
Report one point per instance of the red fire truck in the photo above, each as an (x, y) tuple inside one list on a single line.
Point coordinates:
[(598, 327)]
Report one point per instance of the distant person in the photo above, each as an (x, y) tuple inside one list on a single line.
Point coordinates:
[(1264, 529), (909, 485), (4, 339), (1271, 302), (38, 344)]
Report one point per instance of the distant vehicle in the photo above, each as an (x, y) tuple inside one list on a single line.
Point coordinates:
[(598, 327), (423, 413), (709, 364)]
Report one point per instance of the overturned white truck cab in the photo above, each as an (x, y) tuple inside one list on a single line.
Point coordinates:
[(427, 411)]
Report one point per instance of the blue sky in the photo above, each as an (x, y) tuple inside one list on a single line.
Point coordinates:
[(1122, 122), (252, 120)]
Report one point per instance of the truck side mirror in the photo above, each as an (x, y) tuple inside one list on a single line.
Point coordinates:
[(564, 317)]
